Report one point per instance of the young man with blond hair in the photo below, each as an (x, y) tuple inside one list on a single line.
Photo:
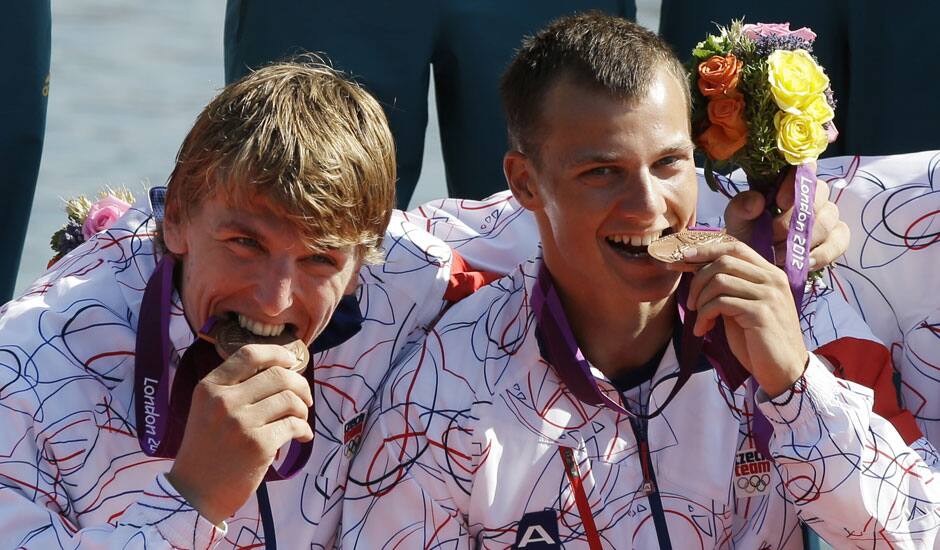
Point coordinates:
[(122, 428), (569, 405)]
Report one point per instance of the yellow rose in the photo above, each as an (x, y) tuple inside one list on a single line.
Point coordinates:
[(799, 137), (820, 109), (795, 79)]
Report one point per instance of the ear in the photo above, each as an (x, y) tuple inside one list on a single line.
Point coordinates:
[(174, 235), (353, 284), (519, 171)]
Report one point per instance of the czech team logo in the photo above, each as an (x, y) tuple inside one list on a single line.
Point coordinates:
[(751, 474), (352, 434)]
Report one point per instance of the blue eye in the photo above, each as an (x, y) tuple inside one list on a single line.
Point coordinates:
[(247, 242), (668, 161), (322, 259), (600, 171)]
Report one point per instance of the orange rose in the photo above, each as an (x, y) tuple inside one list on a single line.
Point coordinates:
[(728, 112), (728, 131), (719, 75), (720, 143)]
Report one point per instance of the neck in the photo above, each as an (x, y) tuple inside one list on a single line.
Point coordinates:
[(617, 336)]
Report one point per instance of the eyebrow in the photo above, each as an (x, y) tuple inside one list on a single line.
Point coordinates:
[(606, 157), (237, 226), (681, 146), (591, 157)]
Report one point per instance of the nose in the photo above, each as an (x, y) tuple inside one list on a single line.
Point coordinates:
[(274, 290), (641, 198)]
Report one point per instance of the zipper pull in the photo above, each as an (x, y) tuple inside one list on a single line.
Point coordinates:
[(648, 486), (571, 465)]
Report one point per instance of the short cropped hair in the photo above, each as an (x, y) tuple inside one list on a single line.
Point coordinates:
[(594, 50), (315, 145)]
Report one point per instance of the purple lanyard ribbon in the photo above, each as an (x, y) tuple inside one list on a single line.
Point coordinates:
[(160, 419), (799, 242), (800, 235), (561, 351)]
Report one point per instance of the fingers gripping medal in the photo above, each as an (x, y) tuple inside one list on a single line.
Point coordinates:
[(228, 337), (671, 248)]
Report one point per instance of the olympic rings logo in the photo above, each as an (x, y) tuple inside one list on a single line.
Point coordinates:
[(754, 483)]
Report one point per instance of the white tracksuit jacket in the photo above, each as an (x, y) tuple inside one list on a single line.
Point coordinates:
[(467, 448), (72, 474)]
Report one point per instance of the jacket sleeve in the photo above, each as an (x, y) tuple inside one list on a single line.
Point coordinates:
[(868, 363), (37, 511), (61, 423), (409, 483), (846, 470)]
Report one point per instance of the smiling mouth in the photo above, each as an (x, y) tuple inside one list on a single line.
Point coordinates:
[(635, 246)]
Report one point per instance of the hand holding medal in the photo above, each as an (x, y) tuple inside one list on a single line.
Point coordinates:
[(245, 409), (734, 283)]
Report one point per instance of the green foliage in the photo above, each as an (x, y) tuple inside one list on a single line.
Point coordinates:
[(77, 208), (760, 159)]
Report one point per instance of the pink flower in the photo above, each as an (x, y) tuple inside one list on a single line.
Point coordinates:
[(755, 31), (103, 214)]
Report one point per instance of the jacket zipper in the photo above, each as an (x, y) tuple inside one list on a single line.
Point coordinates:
[(649, 487), (573, 472)]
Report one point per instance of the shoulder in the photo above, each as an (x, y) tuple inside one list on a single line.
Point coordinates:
[(493, 234), (416, 266), (79, 319), (479, 346)]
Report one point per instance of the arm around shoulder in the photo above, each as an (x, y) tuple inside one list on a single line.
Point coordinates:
[(410, 480)]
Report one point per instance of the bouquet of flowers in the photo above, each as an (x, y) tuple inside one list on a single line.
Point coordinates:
[(86, 218), (760, 101)]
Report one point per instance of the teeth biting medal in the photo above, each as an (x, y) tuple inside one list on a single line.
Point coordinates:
[(228, 337), (671, 248)]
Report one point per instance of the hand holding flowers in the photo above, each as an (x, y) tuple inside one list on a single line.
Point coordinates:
[(761, 102)]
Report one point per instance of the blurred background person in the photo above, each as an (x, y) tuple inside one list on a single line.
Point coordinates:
[(25, 44), (390, 47)]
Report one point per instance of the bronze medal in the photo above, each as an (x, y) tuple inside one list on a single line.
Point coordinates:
[(228, 337), (670, 248)]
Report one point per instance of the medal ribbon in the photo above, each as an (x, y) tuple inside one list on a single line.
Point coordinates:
[(151, 378), (559, 347), (800, 235), (161, 420), (796, 266)]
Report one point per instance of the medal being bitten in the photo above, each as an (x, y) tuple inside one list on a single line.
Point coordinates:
[(671, 248), (228, 337)]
